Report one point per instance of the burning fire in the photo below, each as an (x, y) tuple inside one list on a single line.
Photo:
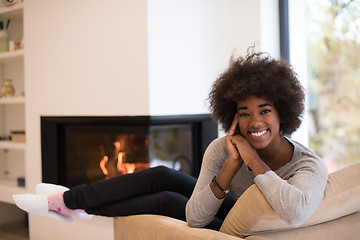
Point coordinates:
[(103, 162), (123, 168)]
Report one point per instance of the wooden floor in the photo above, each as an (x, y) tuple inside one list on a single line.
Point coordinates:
[(14, 231)]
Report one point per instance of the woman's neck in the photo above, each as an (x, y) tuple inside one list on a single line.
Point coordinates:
[(277, 154)]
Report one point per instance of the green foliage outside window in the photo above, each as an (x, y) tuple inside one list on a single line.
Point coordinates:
[(334, 80)]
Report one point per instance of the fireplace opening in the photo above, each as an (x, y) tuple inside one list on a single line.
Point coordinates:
[(77, 150)]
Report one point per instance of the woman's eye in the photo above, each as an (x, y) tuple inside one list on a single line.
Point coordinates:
[(266, 111), (243, 114)]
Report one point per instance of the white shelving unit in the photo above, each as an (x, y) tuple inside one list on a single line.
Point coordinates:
[(6, 56), (7, 189), (12, 100), (12, 145), (12, 10), (12, 109)]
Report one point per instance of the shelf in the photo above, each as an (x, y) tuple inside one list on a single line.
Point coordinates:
[(12, 11), (6, 56), (12, 145), (12, 100), (8, 188), (11, 61)]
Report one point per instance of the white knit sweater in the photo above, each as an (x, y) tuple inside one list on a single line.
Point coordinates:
[(294, 191)]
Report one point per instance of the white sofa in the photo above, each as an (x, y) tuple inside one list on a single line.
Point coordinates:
[(252, 218)]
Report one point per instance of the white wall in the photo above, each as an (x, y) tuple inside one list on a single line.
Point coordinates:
[(87, 57), (190, 43), (158, 57), (83, 57), (269, 27)]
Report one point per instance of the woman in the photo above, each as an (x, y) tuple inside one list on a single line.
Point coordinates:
[(258, 101), (267, 100)]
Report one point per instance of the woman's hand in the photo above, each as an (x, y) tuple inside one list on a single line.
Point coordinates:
[(246, 151), (240, 151), (234, 154), (249, 155), (231, 165)]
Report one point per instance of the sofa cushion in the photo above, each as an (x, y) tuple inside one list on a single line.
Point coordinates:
[(342, 228), (252, 214), (162, 228)]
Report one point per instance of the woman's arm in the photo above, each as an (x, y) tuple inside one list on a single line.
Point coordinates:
[(297, 198), (203, 204), (221, 161), (231, 165)]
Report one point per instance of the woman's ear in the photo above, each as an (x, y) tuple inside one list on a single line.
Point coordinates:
[(281, 131)]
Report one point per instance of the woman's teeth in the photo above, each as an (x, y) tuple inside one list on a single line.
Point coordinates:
[(258, 134)]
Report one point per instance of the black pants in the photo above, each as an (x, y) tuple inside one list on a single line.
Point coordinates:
[(159, 190)]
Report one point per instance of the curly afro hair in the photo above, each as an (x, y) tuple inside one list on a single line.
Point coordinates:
[(260, 75)]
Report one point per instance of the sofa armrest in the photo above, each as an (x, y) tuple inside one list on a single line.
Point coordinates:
[(252, 214), (162, 228), (346, 227)]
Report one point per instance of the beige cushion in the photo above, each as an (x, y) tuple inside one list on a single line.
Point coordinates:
[(252, 215), (342, 228), (162, 228)]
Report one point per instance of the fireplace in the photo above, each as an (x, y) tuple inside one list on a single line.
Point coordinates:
[(77, 150)]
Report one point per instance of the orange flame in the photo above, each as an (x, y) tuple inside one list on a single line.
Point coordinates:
[(123, 168), (103, 162), (120, 166), (130, 167)]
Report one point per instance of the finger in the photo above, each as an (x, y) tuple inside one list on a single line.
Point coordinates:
[(239, 138), (238, 141), (233, 126)]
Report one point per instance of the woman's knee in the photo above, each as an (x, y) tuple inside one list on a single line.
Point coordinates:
[(158, 178), (161, 170), (161, 173), (172, 204), (167, 179)]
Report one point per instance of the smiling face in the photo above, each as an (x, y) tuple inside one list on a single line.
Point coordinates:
[(259, 121)]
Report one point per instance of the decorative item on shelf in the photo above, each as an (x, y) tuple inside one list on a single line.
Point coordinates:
[(21, 182), (3, 40), (8, 88), (14, 45), (18, 136), (4, 36), (5, 138)]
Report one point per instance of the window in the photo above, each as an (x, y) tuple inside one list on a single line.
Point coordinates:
[(324, 49)]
